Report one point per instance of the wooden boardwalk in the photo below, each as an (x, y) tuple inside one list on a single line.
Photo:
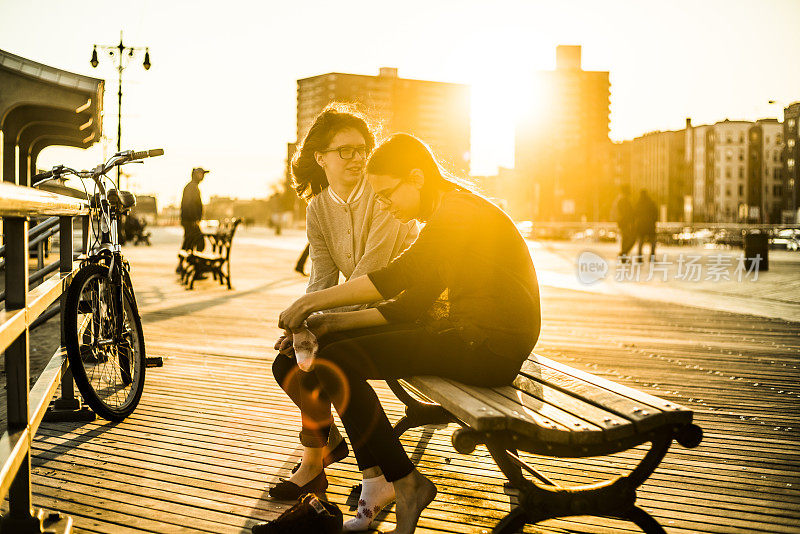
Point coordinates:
[(213, 430)]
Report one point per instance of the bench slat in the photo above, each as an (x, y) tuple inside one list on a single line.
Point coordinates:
[(614, 427), (524, 413), (208, 257), (469, 409), (532, 412), (481, 413), (644, 410)]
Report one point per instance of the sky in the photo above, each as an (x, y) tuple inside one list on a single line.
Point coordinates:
[(221, 92)]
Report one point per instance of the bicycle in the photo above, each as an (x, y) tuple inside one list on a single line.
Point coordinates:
[(103, 334)]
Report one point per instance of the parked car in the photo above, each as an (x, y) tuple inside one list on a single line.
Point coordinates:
[(730, 238), (693, 238), (786, 239)]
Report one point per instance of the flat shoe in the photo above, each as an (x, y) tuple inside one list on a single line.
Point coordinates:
[(289, 491), (338, 454)]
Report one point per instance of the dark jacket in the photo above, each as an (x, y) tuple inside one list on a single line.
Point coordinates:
[(623, 211), (191, 203), (646, 215)]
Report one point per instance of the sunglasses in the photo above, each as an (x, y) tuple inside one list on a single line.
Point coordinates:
[(348, 151)]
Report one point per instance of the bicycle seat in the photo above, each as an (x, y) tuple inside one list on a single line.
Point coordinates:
[(121, 200)]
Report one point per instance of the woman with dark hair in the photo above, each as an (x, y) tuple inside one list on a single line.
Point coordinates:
[(468, 248), (349, 234)]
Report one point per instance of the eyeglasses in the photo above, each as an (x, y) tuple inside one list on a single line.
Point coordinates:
[(385, 197), (348, 151)]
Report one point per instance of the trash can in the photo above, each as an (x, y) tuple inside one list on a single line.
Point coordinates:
[(756, 245)]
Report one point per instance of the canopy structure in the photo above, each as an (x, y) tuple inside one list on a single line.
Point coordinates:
[(42, 106)]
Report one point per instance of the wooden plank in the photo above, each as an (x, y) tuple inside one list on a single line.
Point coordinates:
[(646, 411), (482, 414), (614, 426)]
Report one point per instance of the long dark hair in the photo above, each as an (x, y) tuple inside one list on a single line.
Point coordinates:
[(308, 178), (401, 153)]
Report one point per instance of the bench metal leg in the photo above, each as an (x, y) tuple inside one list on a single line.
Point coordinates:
[(545, 500), (417, 413)]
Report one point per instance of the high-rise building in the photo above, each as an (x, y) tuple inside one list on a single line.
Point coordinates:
[(436, 112), (791, 162), (563, 148), (735, 170)]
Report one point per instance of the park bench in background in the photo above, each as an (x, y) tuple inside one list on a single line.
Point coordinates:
[(556, 411), (215, 260)]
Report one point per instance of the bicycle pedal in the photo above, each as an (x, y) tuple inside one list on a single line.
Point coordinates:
[(154, 361)]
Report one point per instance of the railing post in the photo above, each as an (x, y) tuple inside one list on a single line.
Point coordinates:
[(85, 229), (65, 237), (20, 517)]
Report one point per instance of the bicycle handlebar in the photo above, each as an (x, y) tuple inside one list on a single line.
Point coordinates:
[(147, 153), (55, 172), (120, 158)]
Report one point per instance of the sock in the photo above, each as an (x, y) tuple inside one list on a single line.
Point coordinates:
[(305, 347), (375, 494)]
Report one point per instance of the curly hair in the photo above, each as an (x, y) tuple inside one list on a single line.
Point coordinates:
[(308, 178)]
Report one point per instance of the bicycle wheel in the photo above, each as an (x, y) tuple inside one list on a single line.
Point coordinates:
[(109, 372)]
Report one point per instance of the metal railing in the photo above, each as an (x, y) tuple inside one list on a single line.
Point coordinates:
[(26, 408)]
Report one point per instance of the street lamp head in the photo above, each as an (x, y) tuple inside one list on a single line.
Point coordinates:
[(146, 63), (94, 62)]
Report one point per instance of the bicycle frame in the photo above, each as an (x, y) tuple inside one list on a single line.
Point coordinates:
[(107, 249)]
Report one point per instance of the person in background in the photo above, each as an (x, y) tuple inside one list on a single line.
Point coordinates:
[(192, 212), (645, 217), (300, 267), (623, 213), (469, 248), (350, 235)]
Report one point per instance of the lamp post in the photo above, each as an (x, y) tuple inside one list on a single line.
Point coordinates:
[(120, 50)]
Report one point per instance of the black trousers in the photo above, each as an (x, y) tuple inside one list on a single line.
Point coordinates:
[(346, 360), (647, 236), (192, 236)]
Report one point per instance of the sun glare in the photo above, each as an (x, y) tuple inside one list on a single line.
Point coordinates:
[(502, 99)]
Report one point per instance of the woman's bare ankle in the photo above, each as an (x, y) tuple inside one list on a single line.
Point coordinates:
[(371, 472), (414, 493)]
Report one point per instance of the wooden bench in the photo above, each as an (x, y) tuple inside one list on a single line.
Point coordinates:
[(192, 263), (557, 411)]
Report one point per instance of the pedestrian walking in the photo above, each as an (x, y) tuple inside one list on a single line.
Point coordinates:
[(645, 217), (623, 213), (192, 212)]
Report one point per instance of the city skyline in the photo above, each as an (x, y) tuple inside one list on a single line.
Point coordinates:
[(222, 89)]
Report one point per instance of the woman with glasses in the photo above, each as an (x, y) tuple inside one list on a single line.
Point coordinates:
[(468, 248), (348, 234)]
